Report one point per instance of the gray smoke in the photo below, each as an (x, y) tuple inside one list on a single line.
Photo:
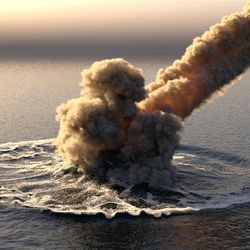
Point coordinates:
[(117, 130), (103, 133)]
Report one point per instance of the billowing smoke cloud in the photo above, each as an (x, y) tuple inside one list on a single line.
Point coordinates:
[(211, 62), (119, 130), (103, 133)]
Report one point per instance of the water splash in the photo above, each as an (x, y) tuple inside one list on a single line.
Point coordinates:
[(31, 175)]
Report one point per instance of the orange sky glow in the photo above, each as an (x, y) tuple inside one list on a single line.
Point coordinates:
[(68, 19)]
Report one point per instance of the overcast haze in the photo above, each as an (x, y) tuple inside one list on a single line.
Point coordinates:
[(70, 28)]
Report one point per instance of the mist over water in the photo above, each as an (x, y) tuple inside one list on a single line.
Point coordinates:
[(107, 29)]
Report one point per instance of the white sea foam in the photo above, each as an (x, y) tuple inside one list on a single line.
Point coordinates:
[(44, 182)]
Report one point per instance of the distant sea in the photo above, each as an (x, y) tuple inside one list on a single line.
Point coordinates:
[(42, 207)]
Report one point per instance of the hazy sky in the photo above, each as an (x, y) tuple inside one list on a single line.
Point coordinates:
[(81, 27)]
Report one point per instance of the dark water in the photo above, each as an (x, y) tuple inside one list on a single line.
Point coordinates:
[(32, 229), (44, 205)]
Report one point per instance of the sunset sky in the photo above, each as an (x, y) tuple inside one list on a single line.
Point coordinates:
[(73, 27)]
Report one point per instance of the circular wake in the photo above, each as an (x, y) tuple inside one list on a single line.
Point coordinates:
[(31, 175)]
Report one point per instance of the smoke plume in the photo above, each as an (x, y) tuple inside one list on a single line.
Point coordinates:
[(211, 62), (103, 133), (117, 129)]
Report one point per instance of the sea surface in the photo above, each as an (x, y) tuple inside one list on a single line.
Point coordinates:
[(45, 204)]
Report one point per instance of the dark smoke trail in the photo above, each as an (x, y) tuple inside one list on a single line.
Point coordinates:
[(109, 136)]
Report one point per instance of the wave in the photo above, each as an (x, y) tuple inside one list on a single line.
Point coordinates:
[(32, 175)]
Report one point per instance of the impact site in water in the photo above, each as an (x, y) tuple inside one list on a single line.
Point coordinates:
[(118, 150), (33, 176), (117, 129)]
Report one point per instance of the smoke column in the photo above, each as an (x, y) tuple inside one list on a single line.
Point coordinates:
[(103, 133), (119, 130), (211, 62)]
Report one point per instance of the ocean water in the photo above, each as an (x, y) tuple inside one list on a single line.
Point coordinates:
[(47, 205)]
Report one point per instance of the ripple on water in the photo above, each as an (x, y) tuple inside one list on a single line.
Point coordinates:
[(36, 177)]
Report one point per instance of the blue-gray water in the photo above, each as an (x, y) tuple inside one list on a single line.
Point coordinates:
[(213, 173)]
